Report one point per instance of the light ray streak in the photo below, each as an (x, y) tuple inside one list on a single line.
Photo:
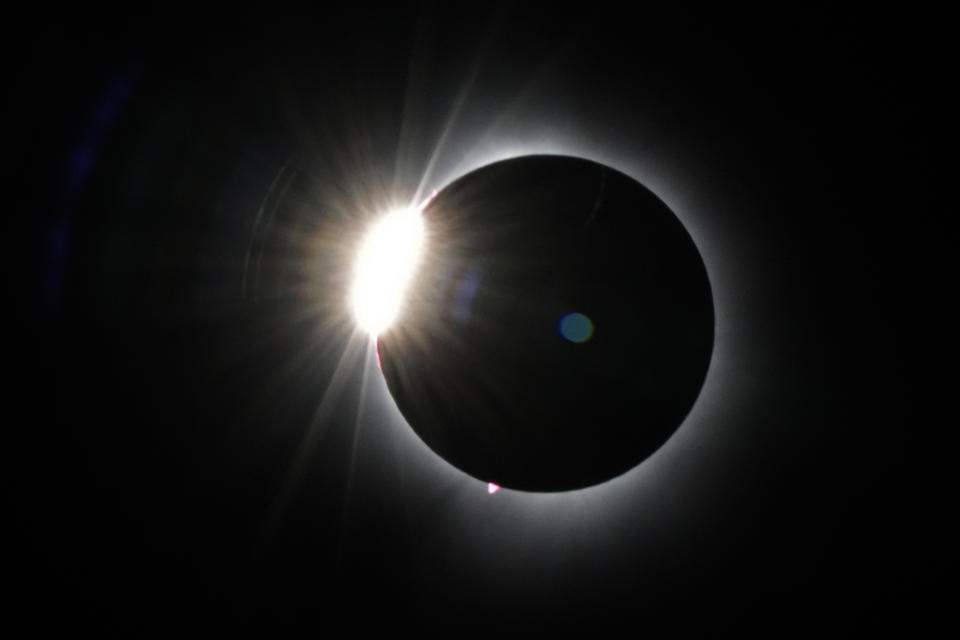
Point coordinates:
[(339, 382)]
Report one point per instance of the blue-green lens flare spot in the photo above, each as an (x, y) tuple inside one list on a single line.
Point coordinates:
[(576, 327)]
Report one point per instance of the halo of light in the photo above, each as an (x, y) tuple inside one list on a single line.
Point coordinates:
[(385, 264)]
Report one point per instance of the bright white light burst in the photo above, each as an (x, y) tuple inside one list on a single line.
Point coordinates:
[(386, 262)]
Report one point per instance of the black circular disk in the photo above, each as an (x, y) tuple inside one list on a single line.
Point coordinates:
[(559, 328)]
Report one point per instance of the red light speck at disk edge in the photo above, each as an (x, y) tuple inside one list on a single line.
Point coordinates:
[(492, 487)]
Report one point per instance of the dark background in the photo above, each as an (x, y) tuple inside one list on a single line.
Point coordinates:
[(167, 464)]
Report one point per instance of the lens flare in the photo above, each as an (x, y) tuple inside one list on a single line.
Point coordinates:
[(576, 327), (386, 262)]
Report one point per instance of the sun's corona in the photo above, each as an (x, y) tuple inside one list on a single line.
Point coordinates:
[(384, 266)]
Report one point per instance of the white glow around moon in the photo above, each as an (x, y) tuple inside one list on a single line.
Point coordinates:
[(385, 264)]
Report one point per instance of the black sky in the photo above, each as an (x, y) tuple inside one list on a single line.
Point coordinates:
[(167, 464)]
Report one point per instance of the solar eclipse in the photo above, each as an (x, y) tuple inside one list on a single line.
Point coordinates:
[(491, 362)]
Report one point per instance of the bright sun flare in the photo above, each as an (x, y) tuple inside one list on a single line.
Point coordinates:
[(385, 264)]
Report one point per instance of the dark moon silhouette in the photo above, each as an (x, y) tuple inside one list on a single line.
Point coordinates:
[(559, 329)]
